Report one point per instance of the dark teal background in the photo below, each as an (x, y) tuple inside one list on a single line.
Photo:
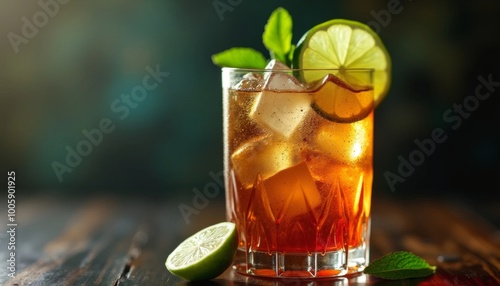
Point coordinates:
[(64, 79)]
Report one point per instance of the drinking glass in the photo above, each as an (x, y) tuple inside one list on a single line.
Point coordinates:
[(298, 166)]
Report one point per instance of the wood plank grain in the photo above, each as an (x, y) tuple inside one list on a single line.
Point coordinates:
[(90, 250), (111, 241), (446, 234), (167, 228)]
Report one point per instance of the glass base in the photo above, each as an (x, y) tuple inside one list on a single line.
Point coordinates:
[(306, 265)]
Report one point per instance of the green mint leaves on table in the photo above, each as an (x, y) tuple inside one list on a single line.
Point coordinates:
[(277, 38), (400, 265)]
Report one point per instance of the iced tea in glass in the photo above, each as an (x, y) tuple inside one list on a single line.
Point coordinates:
[(298, 169)]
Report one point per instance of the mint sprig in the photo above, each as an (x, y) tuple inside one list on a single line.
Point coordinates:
[(277, 36), (400, 265), (277, 39), (240, 58)]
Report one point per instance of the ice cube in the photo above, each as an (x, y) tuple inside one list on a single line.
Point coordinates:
[(282, 105), (255, 81), (276, 65), (261, 155), (344, 142), (292, 192), (280, 112), (280, 81), (250, 82)]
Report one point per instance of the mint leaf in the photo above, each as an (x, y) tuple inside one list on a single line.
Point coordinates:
[(400, 265), (240, 58), (277, 37)]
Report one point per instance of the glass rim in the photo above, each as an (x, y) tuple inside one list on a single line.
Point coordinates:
[(247, 70)]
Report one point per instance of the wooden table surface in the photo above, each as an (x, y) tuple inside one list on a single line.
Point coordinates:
[(125, 241)]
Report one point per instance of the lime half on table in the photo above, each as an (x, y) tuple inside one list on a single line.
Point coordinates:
[(206, 254), (344, 44)]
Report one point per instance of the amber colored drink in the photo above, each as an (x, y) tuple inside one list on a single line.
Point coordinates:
[(298, 169)]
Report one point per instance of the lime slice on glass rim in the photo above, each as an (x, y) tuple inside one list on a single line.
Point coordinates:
[(338, 102), (344, 44), (206, 254)]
